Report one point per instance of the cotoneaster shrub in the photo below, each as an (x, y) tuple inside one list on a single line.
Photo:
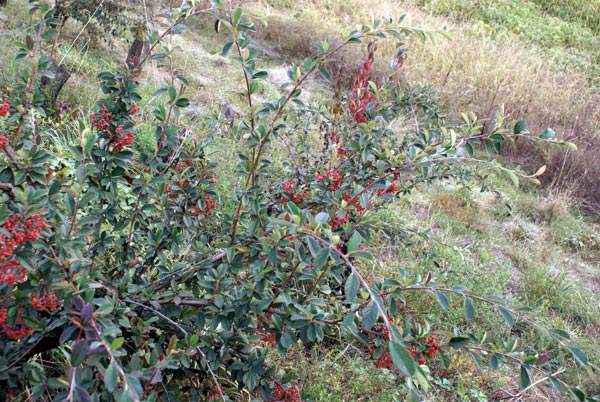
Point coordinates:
[(113, 267)]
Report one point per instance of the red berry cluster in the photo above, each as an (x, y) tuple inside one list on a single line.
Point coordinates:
[(338, 220), (297, 196), (430, 347), (333, 177), (121, 139), (3, 142), (353, 202), (134, 109), (392, 189), (13, 333), (4, 108), (48, 302), (384, 361), (103, 121), (361, 96), (11, 272), (23, 229), (7, 246), (179, 167), (209, 205), (280, 394)]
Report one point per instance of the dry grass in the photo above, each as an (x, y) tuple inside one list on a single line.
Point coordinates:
[(471, 72)]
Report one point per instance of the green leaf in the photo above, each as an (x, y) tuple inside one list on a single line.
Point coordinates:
[(577, 394), (354, 242), (172, 94), (469, 310), (111, 377), (507, 316), (321, 258), (401, 358), (442, 300), (520, 126), (313, 246), (513, 177), (578, 354), (458, 342), (349, 324), (117, 343), (548, 134), (413, 396), (182, 102), (469, 149), (286, 340), (237, 15), (29, 43), (324, 73), (524, 380), (82, 394), (226, 48), (351, 287), (494, 363), (322, 217), (79, 351), (135, 385), (369, 315), (560, 333), (362, 255)]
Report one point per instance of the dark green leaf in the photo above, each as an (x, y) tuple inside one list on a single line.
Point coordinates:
[(351, 287), (494, 363), (324, 73), (369, 315), (524, 380), (182, 102), (579, 356), (79, 351), (226, 48), (354, 242), (577, 394), (401, 358), (458, 342), (507, 316), (560, 333), (135, 385), (321, 258), (82, 394), (111, 377), (285, 340), (29, 42), (520, 126), (442, 300), (469, 310)]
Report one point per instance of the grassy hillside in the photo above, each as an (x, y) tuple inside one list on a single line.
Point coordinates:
[(490, 66), (533, 246)]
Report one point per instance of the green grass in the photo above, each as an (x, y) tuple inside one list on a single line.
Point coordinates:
[(569, 33)]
